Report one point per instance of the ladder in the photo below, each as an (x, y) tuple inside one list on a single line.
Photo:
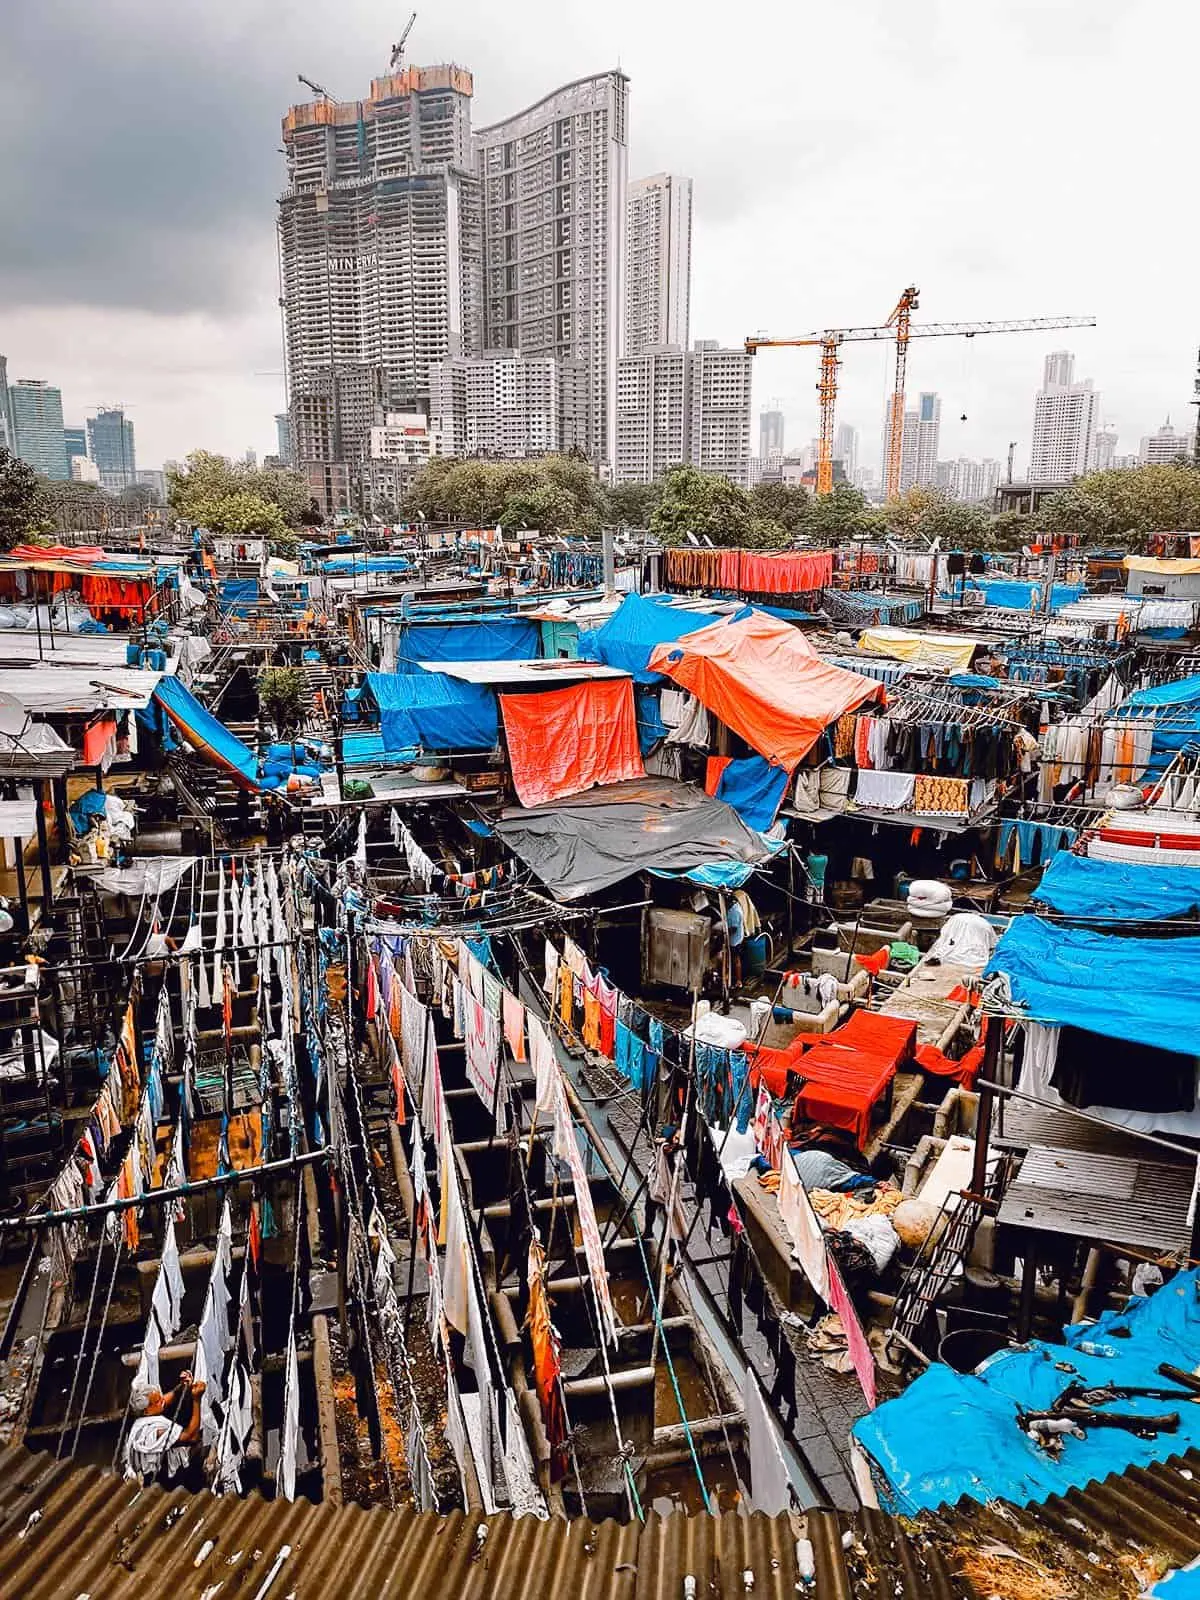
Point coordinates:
[(943, 1253)]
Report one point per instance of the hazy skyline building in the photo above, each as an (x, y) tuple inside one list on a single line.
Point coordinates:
[(845, 449), (76, 442), (718, 401), (652, 414), (35, 407), (283, 438), (1104, 449), (381, 253), (555, 182), (919, 447), (658, 263), (1065, 414), (6, 424), (1164, 446), (110, 446)]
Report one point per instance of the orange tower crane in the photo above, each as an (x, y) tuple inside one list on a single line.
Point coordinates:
[(898, 327)]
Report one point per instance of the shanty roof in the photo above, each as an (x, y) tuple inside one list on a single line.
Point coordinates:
[(66, 1531), (526, 674), (63, 691), (18, 645)]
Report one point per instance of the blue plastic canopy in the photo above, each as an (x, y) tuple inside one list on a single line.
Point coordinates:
[(1018, 595), (1128, 891), (484, 639), (755, 789), (630, 634), (430, 711), (1179, 702), (1146, 991), (207, 735), (948, 1435)]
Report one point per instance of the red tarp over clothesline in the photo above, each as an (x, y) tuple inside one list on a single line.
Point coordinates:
[(765, 681), (563, 741)]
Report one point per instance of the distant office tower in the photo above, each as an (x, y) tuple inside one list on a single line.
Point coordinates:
[(845, 449), (380, 242), (508, 405), (554, 215), (969, 481), (922, 433), (718, 385), (770, 436), (1164, 446), (283, 438), (658, 263), (1064, 423), (36, 410), (6, 423), (110, 445), (75, 440), (652, 414), (1104, 449)]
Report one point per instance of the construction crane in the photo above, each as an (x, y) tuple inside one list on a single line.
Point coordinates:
[(397, 60), (318, 89), (899, 328)]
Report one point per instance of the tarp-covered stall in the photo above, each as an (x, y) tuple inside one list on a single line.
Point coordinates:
[(1119, 891), (593, 841), (764, 680), (627, 639), (428, 711), (481, 638), (563, 741)]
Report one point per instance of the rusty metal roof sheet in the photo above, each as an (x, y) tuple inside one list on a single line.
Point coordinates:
[(68, 1531)]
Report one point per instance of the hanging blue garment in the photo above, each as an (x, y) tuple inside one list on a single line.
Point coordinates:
[(624, 1042), (656, 1035), (743, 1100), (637, 1061)]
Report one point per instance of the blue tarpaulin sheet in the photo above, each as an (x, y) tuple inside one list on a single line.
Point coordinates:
[(206, 734), (754, 788), (1183, 1584), (1016, 595), (1144, 990), (355, 565), (429, 711), (501, 639), (630, 634), (950, 1435), (1077, 886), (650, 725), (1175, 703), (239, 595)]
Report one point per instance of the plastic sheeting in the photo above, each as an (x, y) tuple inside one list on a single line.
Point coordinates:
[(1175, 708), (602, 838), (1016, 595), (754, 788), (765, 681), (1144, 990), (948, 1435), (1078, 886), (501, 639), (430, 711), (208, 736), (563, 741), (629, 636)]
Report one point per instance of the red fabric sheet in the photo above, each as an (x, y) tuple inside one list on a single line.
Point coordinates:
[(748, 572), (847, 1071), (931, 1059), (563, 741), (764, 680)]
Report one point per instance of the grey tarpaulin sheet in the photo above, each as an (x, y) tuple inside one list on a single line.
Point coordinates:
[(591, 841)]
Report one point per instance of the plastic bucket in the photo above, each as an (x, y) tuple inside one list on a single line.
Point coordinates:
[(754, 954)]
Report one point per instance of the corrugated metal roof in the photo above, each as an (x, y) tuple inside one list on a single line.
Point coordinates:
[(68, 1531)]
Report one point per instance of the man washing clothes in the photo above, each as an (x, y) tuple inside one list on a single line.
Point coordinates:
[(156, 1440)]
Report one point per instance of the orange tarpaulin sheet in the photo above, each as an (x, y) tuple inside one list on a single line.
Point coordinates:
[(563, 741), (765, 681)]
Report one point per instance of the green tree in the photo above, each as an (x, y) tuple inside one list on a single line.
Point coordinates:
[(562, 491), (546, 507), (242, 516), (207, 479), (281, 696), (1123, 506), (22, 503), (631, 505), (840, 515), (931, 514), (700, 503), (784, 503)]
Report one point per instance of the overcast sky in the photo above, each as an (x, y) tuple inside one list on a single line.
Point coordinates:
[(1012, 157)]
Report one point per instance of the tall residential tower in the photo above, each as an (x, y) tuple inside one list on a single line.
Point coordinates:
[(658, 263), (1065, 414), (554, 182)]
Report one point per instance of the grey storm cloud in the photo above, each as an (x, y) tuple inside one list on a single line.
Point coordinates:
[(138, 155)]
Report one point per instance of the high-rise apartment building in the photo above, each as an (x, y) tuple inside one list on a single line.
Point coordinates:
[(969, 481), (658, 263), (845, 449), (555, 180), (922, 435), (718, 385), (381, 249), (110, 445), (35, 407), (1104, 449), (652, 414), (1164, 446), (770, 435), (508, 406), (1064, 422)]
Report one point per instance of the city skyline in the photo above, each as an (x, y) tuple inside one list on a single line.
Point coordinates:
[(172, 297)]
